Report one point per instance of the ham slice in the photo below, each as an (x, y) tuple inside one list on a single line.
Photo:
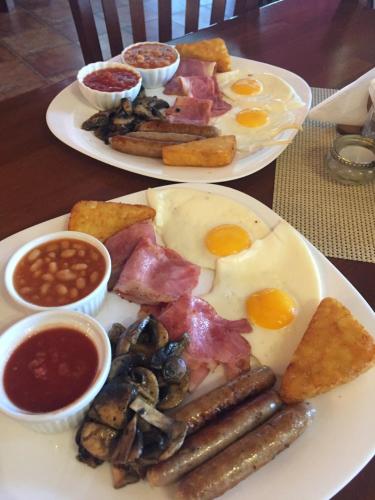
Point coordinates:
[(213, 339), (190, 110), (205, 87), (188, 67), (122, 244), (154, 274)]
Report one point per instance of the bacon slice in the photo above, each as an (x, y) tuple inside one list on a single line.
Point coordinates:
[(205, 87), (190, 110), (188, 67), (122, 244), (213, 339), (154, 274)]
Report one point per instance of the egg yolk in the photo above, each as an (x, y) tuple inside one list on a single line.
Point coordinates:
[(227, 240), (271, 308), (252, 118), (246, 86)]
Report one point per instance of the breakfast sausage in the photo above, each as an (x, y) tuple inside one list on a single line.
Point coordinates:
[(139, 147), (213, 438), (246, 455), (173, 137), (247, 384), (180, 128)]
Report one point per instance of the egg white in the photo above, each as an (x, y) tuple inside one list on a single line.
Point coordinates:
[(279, 120), (185, 216), (272, 88), (279, 260)]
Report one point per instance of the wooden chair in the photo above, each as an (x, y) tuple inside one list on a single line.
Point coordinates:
[(88, 36)]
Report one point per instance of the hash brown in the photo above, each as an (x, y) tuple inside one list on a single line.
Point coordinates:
[(208, 50), (102, 219), (335, 349)]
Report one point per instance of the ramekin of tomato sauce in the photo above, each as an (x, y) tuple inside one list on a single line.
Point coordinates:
[(104, 84), (52, 365)]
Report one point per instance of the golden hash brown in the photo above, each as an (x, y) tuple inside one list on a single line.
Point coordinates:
[(334, 350), (102, 219), (207, 50), (213, 152)]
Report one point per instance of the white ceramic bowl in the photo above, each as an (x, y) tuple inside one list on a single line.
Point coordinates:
[(107, 100), (71, 415), (155, 77), (89, 304)]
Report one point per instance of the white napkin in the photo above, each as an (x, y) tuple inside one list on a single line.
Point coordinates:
[(347, 106)]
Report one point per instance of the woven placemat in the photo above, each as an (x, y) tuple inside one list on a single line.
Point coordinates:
[(338, 219)]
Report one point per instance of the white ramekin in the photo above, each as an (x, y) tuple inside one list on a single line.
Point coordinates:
[(89, 304), (71, 415), (155, 77), (107, 100)]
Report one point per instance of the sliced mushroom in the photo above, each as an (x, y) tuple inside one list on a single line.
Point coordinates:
[(98, 439), (123, 475), (85, 457), (121, 365), (121, 453), (176, 431), (137, 448), (173, 348), (174, 369), (146, 336), (171, 395), (147, 384), (114, 334), (154, 443), (127, 106), (111, 404), (97, 120)]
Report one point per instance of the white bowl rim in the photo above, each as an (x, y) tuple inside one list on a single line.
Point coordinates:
[(24, 249), (108, 64), (146, 70), (46, 318)]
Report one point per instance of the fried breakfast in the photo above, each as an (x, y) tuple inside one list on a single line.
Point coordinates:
[(249, 111), (102, 219), (334, 350), (140, 421)]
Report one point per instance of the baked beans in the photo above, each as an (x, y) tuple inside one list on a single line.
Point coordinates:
[(150, 55), (59, 272)]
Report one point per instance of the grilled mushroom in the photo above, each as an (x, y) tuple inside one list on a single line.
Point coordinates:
[(123, 475), (98, 439), (97, 120), (111, 404), (121, 453)]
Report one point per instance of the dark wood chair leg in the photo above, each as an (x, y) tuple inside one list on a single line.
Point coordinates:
[(4, 6)]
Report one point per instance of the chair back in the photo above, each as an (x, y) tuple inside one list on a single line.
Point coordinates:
[(84, 20)]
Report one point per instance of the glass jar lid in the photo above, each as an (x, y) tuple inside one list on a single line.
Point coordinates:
[(354, 151)]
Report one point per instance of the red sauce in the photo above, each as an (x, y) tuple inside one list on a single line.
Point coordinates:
[(50, 369), (111, 80)]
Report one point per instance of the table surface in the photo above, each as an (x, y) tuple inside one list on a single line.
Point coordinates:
[(327, 42)]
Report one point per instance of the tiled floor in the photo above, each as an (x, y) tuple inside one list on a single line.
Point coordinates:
[(39, 43)]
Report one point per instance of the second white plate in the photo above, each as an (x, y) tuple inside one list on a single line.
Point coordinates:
[(69, 110)]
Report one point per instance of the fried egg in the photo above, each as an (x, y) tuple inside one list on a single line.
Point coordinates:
[(203, 227), (244, 88), (276, 286), (256, 124)]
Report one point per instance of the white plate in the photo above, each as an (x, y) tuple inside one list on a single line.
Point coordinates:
[(69, 109), (338, 444)]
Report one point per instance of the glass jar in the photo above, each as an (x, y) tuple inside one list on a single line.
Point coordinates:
[(351, 159)]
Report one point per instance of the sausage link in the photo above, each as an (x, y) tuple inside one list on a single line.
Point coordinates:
[(247, 384), (246, 455), (214, 437)]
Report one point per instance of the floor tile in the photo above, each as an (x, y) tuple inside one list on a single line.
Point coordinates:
[(6, 55), (17, 78), (17, 21), (51, 62), (34, 40), (67, 29), (55, 11)]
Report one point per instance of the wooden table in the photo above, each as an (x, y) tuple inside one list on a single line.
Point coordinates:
[(328, 42)]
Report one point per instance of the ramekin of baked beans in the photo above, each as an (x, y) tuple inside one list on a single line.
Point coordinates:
[(156, 62), (63, 270)]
